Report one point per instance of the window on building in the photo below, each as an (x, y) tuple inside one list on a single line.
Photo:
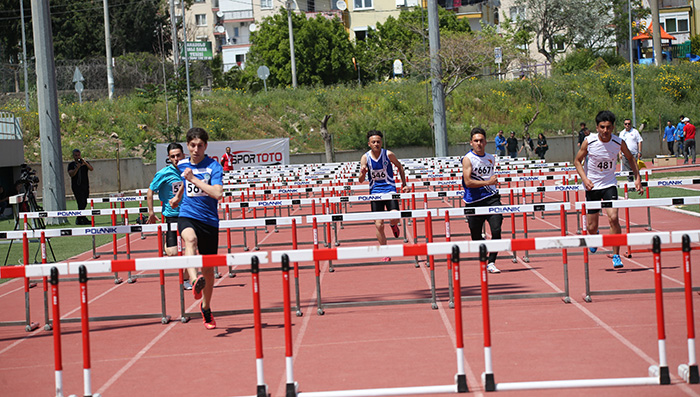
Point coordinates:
[(200, 19), (240, 58), (363, 4), (200, 1), (678, 23), (202, 38), (235, 32), (266, 4), (517, 13)]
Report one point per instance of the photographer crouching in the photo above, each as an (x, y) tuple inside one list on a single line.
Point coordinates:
[(80, 184)]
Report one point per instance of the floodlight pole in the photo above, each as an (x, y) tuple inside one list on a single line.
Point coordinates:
[(187, 65), (24, 57), (108, 52), (291, 43), (629, 15)]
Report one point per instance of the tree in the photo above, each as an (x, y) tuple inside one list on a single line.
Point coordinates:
[(404, 38), (322, 48)]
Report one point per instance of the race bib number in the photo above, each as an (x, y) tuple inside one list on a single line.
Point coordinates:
[(378, 174), (605, 165), (194, 191), (481, 171), (176, 187)]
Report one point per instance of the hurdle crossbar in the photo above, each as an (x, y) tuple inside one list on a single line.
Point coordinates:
[(657, 374)]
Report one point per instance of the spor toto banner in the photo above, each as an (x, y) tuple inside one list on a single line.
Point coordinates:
[(245, 153)]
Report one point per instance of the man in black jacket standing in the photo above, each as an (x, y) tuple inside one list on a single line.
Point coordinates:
[(80, 183)]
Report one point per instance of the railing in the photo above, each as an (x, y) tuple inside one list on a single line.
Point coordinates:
[(680, 50), (10, 126), (240, 14)]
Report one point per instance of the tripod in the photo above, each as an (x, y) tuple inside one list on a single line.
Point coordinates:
[(29, 204)]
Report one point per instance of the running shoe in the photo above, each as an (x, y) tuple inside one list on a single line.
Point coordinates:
[(187, 285), (209, 322), (386, 259), (198, 287), (617, 262), (395, 230), (491, 268), (593, 249)]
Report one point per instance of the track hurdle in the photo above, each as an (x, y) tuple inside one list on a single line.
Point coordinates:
[(639, 203), (460, 379), (688, 372), (29, 325), (657, 374)]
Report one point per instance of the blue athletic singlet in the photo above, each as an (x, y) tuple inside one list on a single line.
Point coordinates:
[(197, 204), (483, 168), (381, 174)]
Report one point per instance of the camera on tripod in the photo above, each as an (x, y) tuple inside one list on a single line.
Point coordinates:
[(28, 178)]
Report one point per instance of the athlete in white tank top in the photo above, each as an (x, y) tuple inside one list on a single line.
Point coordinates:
[(600, 153), (601, 161)]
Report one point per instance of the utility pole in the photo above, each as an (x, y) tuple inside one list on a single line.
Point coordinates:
[(629, 15), (108, 52), (176, 54), (656, 31), (291, 43), (187, 63), (439, 121), (24, 57), (54, 192)]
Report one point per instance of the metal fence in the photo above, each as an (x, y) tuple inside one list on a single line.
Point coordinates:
[(130, 71), (10, 126)]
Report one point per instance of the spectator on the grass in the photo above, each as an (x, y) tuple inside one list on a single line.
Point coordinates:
[(680, 137), (670, 136), (80, 183), (542, 146), (500, 142), (689, 133), (512, 145)]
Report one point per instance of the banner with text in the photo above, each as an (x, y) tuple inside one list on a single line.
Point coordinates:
[(245, 153)]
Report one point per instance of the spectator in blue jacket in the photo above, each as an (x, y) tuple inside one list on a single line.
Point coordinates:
[(670, 136), (680, 137), (500, 142)]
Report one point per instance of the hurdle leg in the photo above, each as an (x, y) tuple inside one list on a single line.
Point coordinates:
[(689, 372), (29, 325), (586, 272), (260, 374), (85, 330), (291, 386), (664, 376), (295, 245), (461, 376), (565, 255), (514, 259), (431, 260), (450, 286), (58, 361), (317, 271)]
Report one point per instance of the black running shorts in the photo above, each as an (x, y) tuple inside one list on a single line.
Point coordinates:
[(385, 205), (207, 236), (609, 193)]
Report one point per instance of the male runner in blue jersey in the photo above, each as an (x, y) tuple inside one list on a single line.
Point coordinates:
[(167, 182), (198, 222), (376, 165), (480, 190)]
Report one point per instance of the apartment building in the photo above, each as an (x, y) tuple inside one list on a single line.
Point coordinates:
[(227, 23)]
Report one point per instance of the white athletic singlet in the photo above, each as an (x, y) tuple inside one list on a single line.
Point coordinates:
[(601, 161), (483, 168)]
